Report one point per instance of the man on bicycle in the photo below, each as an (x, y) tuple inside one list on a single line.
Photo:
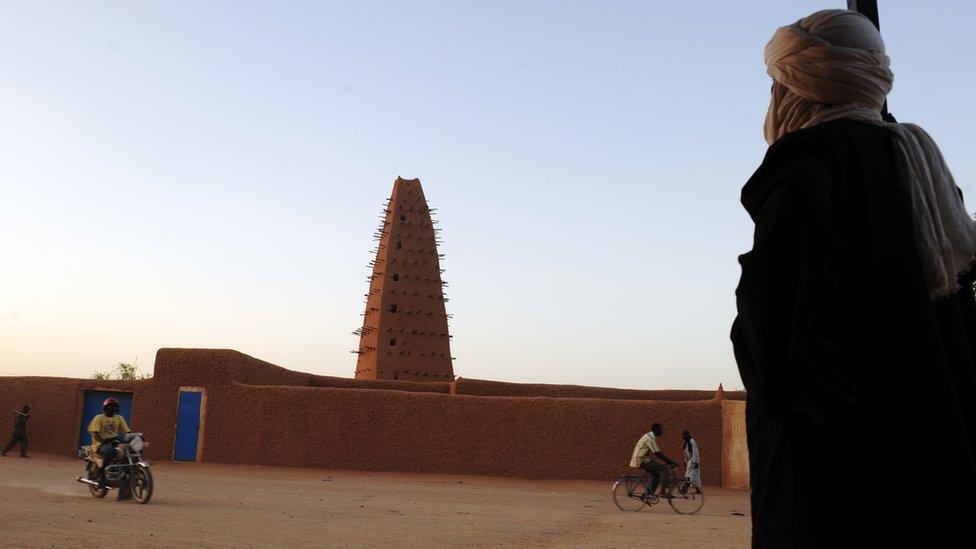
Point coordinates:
[(643, 455)]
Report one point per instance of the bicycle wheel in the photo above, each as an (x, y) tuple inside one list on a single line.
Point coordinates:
[(629, 493), (686, 497)]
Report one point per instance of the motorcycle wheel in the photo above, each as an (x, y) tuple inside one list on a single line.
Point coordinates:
[(142, 484), (90, 471)]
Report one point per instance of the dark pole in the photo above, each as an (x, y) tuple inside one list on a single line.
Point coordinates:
[(869, 9)]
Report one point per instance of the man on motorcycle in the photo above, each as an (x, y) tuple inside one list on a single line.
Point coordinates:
[(105, 429)]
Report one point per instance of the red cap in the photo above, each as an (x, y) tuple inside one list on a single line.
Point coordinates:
[(108, 401)]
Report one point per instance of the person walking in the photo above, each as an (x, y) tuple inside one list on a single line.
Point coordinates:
[(20, 431), (692, 458)]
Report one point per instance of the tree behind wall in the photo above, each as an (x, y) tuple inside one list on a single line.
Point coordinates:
[(122, 370)]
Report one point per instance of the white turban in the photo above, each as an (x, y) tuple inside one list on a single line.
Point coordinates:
[(832, 65)]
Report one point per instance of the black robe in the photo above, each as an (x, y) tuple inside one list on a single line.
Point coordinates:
[(861, 406)]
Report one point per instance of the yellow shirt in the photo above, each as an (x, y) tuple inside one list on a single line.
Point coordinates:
[(107, 428), (646, 445)]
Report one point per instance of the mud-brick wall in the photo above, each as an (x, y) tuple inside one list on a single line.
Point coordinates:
[(219, 372), (236, 366), (395, 385), (735, 450), (421, 432), (215, 371), (283, 421), (56, 407), (483, 387)]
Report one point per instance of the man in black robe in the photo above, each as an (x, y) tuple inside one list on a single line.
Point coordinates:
[(856, 332), (19, 435)]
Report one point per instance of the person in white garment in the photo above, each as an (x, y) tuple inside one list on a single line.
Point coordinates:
[(692, 458)]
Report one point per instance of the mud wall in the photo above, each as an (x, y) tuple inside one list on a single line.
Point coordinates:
[(499, 388), (422, 432), (251, 371), (226, 364), (409, 386), (56, 405), (735, 451), (259, 413)]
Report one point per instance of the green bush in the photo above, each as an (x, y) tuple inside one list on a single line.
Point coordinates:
[(122, 370)]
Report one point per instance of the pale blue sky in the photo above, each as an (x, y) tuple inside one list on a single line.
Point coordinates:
[(210, 174)]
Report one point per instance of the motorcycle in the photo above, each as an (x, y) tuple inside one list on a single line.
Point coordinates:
[(129, 472)]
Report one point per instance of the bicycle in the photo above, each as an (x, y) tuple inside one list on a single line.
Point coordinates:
[(632, 493)]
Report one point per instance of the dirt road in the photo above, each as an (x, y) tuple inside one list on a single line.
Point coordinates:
[(206, 505)]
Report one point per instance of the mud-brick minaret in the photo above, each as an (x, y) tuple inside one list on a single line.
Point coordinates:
[(404, 334)]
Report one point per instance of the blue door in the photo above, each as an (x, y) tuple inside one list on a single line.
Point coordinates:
[(188, 426), (93, 407)]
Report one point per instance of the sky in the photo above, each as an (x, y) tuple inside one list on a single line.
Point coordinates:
[(209, 174)]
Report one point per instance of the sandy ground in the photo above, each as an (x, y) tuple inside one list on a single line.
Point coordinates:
[(208, 505)]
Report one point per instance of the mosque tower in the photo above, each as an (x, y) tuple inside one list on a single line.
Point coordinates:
[(404, 334)]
